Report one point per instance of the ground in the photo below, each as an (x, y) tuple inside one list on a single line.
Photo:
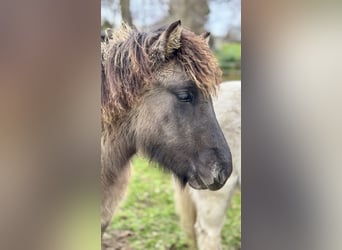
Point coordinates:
[(117, 240), (147, 219)]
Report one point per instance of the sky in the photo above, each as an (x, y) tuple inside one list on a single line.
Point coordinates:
[(223, 14)]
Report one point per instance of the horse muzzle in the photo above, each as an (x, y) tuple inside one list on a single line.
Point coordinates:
[(212, 181)]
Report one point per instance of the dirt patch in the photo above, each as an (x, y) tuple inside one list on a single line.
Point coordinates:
[(117, 240)]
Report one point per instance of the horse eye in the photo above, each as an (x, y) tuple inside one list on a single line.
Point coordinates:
[(185, 96)]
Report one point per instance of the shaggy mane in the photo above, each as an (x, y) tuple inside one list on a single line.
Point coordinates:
[(128, 67)]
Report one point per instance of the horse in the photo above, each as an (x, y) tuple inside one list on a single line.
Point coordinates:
[(202, 212), (157, 90)]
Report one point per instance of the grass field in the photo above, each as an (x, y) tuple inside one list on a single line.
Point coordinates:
[(149, 212), (229, 58)]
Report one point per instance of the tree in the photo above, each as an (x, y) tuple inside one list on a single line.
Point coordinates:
[(119, 7), (126, 12), (192, 13)]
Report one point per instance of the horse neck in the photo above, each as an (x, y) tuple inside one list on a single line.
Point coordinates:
[(118, 146)]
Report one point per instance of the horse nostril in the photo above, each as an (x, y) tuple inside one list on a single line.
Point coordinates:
[(222, 176)]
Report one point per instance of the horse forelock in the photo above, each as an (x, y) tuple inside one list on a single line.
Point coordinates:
[(199, 63), (128, 67)]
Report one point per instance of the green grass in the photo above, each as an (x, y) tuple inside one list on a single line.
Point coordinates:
[(229, 58), (229, 52), (148, 211)]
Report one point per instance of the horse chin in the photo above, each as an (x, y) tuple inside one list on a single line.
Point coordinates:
[(197, 185), (215, 186), (196, 182)]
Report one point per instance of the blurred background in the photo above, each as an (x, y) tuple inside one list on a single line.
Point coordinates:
[(222, 18), (50, 126), (147, 218)]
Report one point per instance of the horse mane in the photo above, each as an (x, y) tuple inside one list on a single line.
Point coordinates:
[(128, 66)]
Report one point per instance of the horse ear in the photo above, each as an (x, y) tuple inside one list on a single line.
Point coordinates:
[(205, 36), (169, 40)]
